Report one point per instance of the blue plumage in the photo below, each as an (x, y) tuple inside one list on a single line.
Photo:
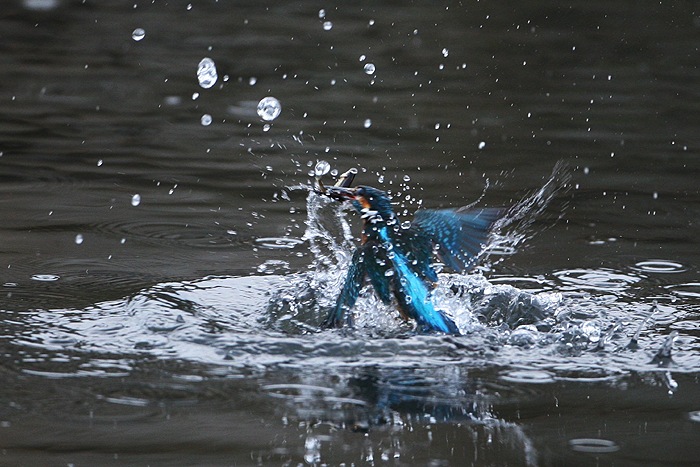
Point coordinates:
[(397, 260)]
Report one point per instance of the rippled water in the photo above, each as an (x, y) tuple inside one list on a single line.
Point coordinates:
[(165, 271)]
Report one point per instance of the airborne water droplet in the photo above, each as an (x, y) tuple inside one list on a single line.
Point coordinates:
[(322, 168), (79, 239), (136, 200), (206, 73), (269, 108), (327, 25), (370, 68), (482, 145), (206, 120), (368, 123), (138, 34)]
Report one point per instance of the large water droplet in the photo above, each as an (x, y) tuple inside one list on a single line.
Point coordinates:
[(370, 68), (136, 200), (206, 120), (206, 73), (327, 25), (322, 168), (368, 123), (269, 108), (79, 239), (138, 34), (321, 13)]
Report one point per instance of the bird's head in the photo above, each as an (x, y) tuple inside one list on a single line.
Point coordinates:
[(369, 201)]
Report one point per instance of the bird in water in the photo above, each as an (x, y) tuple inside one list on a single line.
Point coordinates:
[(397, 258)]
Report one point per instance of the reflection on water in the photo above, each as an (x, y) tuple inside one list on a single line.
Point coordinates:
[(163, 277)]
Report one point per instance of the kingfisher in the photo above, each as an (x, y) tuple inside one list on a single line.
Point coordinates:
[(397, 257)]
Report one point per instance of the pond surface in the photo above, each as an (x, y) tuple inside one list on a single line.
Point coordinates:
[(164, 272)]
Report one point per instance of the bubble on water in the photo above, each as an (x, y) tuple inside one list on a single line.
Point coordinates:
[(79, 239), (370, 68), (136, 200), (45, 277), (206, 120), (322, 168), (482, 145), (206, 73), (269, 108), (593, 445), (368, 123), (528, 376), (138, 34), (327, 25)]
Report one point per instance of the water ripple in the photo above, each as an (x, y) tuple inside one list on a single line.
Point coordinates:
[(605, 280), (660, 266)]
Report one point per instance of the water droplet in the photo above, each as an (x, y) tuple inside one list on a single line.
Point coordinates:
[(206, 120), (327, 25), (322, 168), (79, 239), (138, 34), (136, 200), (99, 163), (368, 123), (370, 68), (195, 96), (206, 73), (406, 178), (482, 145), (321, 13), (252, 80), (363, 57), (389, 272), (445, 52), (269, 108)]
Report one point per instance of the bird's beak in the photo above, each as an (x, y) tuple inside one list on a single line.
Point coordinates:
[(340, 193)]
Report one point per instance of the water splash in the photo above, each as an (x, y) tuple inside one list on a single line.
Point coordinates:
[(516, 226)]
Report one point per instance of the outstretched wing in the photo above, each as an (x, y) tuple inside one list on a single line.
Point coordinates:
[(351, 290), (460, 235)]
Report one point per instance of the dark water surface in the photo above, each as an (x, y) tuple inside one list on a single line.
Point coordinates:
[(180, 326)]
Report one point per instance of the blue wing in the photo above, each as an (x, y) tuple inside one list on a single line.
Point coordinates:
[(351, 290), (461, 235)]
